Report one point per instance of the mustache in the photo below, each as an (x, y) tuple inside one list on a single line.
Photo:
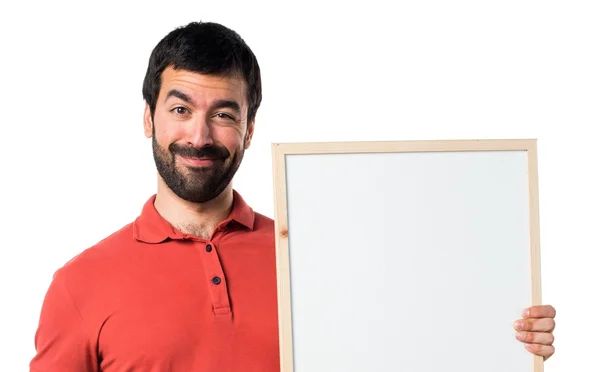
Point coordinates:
[(213, 152)]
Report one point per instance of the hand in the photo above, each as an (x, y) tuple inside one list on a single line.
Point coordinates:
[(535, 330)]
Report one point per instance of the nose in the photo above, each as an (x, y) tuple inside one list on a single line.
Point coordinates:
[(200, 133)]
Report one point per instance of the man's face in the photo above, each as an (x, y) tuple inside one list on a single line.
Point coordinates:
[(199, 132)]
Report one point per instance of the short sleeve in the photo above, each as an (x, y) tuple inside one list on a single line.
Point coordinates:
[(61, 341)]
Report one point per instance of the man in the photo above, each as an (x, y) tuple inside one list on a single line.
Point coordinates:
[(190, 285)]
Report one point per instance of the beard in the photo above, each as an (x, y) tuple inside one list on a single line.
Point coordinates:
[(196, 184)]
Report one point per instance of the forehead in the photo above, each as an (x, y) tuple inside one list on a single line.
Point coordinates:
[(203, 87)]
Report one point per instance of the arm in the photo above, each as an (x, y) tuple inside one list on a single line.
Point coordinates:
[(61, 341)]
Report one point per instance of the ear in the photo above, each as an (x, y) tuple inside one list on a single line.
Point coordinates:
[(147, 122), (249, 133)]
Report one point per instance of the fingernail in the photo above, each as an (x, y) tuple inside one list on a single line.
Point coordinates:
[(520, 336), (525, 313), (518, 325)]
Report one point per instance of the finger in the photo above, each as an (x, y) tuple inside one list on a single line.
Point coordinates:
[(542, 350), (542, 338), (535, 325), (542, 311)]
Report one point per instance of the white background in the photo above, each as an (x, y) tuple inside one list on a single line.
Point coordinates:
[(76, 166)]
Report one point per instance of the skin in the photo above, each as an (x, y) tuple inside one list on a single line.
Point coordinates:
[(200, 123), (536, 329)]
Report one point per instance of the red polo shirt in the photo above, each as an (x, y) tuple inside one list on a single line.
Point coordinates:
[(151, 299)]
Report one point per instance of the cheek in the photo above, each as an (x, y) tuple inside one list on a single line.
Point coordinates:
[(166, 131), (231, 138), (165, 135)]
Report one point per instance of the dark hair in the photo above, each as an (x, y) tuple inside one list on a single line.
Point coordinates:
[(207, 48)]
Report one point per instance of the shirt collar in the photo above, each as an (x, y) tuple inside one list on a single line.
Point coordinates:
[(151, 227)]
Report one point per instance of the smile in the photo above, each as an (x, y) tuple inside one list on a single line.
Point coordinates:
[(198, 162)]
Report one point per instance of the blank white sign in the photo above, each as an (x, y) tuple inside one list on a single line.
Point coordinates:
[(406, 256)]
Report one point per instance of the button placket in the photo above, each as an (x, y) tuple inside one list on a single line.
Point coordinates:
[(217, 285)]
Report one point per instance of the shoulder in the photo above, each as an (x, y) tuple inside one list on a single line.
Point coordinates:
[(100, 254), (263, 222), (264, 226)]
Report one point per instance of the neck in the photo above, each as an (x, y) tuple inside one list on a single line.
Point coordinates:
[(198, 219)]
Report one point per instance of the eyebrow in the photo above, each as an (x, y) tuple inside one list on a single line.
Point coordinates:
[(225, 103), (222, 103), (179, 94)]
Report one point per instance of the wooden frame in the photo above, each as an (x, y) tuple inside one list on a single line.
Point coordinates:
[(282, 150)]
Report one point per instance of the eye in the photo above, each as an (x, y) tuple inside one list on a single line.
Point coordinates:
[(222, 115), (180, 110)]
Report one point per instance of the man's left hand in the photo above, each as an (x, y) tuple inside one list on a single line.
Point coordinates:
[(535, 330)]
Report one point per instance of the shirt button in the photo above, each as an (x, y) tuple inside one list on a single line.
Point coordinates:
[(208, 248), (216, 280)]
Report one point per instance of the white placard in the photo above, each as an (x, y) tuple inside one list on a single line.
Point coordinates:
[(413, 256)]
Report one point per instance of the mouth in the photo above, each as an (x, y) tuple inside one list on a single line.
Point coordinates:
[(198, 162)]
